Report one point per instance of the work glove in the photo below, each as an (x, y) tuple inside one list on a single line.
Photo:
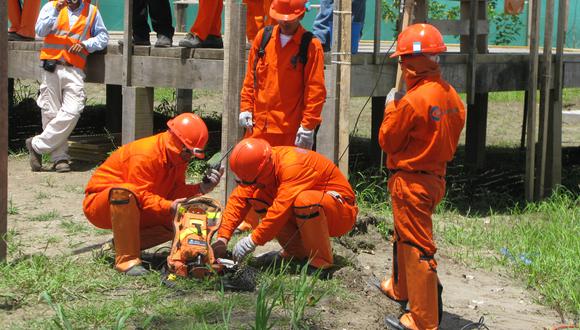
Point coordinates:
[(175, 204), (211, 179), (244, 247), (304, 138), (246, 120), (394, 95), (220, 247)]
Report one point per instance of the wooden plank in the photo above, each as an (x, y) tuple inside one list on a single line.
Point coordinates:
[(377, 32), (183, 99), (180, 17), (234, 68), (377, 113), (459, 27), (128, 43), (137, 113), (3, 131), (114, 99), (326, 138), (10, 94), (344, 66), (421, 11), (472, 50), (405, 21), (545, 86), (554, 155), (532, 90)]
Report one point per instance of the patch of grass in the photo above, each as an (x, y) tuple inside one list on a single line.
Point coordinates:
[(12, 208), (74, 189), (41, 195), (47, 216), (539, 241), (101, 232), (50, 181), (72, 227)]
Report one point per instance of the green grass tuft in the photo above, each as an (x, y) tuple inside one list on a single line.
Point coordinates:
[(47, 216)]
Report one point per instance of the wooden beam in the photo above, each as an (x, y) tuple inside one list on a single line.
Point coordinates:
[(234, 68), (377, 35), (327, 136), (554, 155), (137, 113), (180, 17), (459, 27), (532, 90), (344, 66), (128, 43), (114, 99), (3, 130), (405, 21), (183, 99), (421, 14), (545, 86), (377, 113), (472, 50)]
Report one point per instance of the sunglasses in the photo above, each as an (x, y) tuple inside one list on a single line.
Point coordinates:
[(196, 152), (245, 183)]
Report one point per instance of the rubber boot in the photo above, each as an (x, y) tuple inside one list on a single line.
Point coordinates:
[(395, 287), (423, 289), (125, 223), (355, 36), (313, 228), (289, 239)]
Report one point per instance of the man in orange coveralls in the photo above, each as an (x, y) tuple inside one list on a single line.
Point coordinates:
[(301, 197), (22, 19), (282, 97), (206, 31), (137, 189), (419, 133), (256, 17)]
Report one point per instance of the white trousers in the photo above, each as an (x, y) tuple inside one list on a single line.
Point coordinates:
[(62, 100)]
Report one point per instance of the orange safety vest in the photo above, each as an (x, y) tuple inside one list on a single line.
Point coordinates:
[(57, 44)]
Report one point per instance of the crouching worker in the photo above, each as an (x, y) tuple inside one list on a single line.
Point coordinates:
[(301, 198), (136, 191)]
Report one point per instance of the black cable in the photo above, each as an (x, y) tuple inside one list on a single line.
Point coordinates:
[(479, 325)]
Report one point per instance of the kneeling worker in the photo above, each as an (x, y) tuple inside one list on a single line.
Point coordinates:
[(301, 197), (137, 189)]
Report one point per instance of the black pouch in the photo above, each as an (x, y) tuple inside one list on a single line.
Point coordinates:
[(49, 65)]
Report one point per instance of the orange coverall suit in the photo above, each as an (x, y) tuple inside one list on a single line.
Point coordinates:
[(419, 133), (286, 95), (209, 19), (257, 16), (23, 20), (152, 169), (302, 203)]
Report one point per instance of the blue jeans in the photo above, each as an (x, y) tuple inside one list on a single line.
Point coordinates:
[(322, 27)]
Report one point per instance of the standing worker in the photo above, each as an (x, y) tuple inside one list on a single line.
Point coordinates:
[(137, 189), (283, 91), (22, 19), (257, 16), (419, 133), (301, 197), (160, 13), (206, 31), (71, 29)]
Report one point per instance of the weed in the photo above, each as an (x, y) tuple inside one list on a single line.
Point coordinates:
[(228, 306), (40, 195), (12, 208), (269, 295), (74, 189), (50, 182), (301, 296), (47, 216), (14, 246), (23, 91), (61, 320), (72, 227)]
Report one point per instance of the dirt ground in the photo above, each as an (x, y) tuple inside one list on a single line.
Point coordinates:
[(47, 218)]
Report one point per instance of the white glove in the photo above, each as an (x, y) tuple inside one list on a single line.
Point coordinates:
[(304, 138), (211, 180), (394, 96), (244, 247), (246, 119)]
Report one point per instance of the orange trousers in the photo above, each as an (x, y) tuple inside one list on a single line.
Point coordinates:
[(257, 16), (209, 19), (154, 228), (316, 217), (414, 197), (275, 140), (23, 20)]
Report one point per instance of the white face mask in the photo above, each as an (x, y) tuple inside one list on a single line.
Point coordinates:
[(434, 58)]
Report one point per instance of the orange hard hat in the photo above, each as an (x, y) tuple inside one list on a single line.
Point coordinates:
[(191, 131), (249, 158), (420, 39), (287, 10)]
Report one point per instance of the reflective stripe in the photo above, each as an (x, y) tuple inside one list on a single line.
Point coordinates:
[(88, 23)]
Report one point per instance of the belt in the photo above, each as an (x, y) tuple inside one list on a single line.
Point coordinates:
[(393, 171), (63, 63)]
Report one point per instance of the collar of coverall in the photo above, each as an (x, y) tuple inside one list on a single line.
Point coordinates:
[(296, 37), (418, 67)]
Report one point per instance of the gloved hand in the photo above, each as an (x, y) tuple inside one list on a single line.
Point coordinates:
[(304, 138), (244, 247), (246, 120), (175, 203), (220, 247), (394, 96), (211, 179)]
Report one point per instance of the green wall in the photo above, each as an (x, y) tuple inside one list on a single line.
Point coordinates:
[(112, 11)]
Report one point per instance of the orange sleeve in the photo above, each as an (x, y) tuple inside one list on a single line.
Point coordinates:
[(314, 89), (294, 179), (143, 177), (187, 191), (397, 122), (236, 210), (247, 96)]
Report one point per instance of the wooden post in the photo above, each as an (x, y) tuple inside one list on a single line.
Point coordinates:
[(405, 21), (234, 71), (546, 80), (378, 110), (421, 12), (377, 36), (10, 94), (128, 43), (532, 90), (114, 118), (343, 90), (183, 98), (554, 155), (180, 17), (473, 17), (476, 125), (3, 130), (327, 136), (137, 113)]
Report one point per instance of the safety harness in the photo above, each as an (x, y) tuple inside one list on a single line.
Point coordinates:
[(301, 56)]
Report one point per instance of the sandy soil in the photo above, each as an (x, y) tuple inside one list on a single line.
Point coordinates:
[(468, 293)]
